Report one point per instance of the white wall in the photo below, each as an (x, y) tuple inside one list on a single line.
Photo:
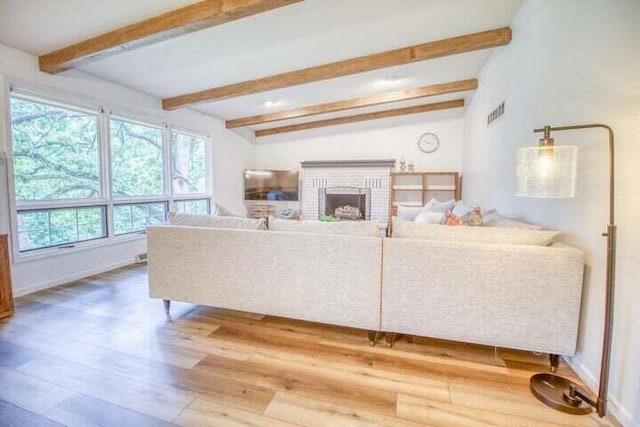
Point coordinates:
[(381, 139), (572, 62), (231, 155)]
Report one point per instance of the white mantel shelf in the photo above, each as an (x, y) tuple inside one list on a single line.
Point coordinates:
[(384, 163)]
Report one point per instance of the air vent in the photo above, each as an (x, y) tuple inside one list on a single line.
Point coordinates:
[(495, 114), (141, 258)]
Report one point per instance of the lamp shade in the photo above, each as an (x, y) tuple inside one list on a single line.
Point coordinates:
[(547, 171)]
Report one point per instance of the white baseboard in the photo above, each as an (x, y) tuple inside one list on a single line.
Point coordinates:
[(616, 408), (69, 278)]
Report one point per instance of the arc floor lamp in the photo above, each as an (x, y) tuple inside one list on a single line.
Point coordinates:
[(550, 171)]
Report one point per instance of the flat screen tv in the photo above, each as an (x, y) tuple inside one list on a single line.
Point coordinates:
[(261, 184)]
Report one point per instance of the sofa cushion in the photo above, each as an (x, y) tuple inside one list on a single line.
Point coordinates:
[(517, 236), (494, 219), (350, 228), (216, 221)]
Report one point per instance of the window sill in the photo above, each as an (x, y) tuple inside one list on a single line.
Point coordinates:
[(36, 255)]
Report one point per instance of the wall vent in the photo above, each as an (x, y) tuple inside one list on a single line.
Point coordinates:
[(495, 114), (141, 258)]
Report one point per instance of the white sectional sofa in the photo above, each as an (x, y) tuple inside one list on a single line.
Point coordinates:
[(506, 295), (520, 296), (331, 279)]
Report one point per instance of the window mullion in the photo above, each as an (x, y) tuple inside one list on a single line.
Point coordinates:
[(107, 186), (168, 166)]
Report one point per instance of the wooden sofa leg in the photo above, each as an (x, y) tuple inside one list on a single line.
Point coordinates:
[(390, 337), (373, 337), (167, 306), (554, 361)]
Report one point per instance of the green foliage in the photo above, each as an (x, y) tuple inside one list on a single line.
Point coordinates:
[(200, 206), (57, 156), (136, 217), (188, 174), (327, 218), (39, 229), (55, 152), (136, 159)]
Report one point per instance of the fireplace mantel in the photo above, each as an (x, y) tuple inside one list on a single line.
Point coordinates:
[(373, 175), (384, 163)]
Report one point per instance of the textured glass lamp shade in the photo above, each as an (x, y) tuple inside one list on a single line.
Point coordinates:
[(546, 171)]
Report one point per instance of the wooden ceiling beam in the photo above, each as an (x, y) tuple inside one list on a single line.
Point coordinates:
[(362, 117), (366, 101), (195, 17), (405, 55)]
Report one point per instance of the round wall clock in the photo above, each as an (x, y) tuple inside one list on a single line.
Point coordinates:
[(428, 142)]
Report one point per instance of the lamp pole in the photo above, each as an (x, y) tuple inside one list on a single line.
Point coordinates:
[(574, 393)]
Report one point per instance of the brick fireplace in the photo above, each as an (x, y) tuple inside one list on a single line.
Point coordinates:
[(362, 184)]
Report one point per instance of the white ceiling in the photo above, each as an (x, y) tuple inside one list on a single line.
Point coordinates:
[(301, 35)]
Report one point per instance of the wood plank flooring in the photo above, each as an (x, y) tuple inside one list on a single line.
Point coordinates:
[(100, 352)]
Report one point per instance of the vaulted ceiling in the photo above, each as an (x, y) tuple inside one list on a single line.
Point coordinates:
[(261, 38)]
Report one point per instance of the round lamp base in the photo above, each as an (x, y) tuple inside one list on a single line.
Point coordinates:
[(553, 391)]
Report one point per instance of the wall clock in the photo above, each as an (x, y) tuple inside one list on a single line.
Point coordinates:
[(428, 142)]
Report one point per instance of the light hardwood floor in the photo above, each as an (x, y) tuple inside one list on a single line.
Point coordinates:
[(100, 352)]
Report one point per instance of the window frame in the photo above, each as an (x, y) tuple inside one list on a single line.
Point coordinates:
[(207, 165), (13, 88), (66, 245)]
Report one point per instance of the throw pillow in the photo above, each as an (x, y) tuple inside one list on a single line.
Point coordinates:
[(429, 218), (216, 221), (350, 228), (408, 213), (472, 218), (449, 218), (433, 206), (516, 236)]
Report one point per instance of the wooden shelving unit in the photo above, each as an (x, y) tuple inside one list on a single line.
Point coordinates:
[(417, 188)]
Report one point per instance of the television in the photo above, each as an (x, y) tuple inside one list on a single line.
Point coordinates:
[(271, 185)]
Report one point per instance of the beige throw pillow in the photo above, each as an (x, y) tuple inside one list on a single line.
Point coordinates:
[(216, 221), (516, 236)]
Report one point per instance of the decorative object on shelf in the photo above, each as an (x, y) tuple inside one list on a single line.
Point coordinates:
[(403, 165), (549, 171), (428, 142), (412, 167)]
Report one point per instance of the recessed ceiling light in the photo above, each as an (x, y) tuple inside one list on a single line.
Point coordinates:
[(394, 79), (270, 103), (390, 82)]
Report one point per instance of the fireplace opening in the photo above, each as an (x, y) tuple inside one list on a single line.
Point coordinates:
[(345, 203)]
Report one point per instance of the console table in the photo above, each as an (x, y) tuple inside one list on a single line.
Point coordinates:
[(6, 294)]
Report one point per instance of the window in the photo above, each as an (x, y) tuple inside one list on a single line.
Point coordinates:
[(135, 217), (55, 151), (46, 228), (188, 159), (136, 159), (56, 166), (198, 206), (64, 193)]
